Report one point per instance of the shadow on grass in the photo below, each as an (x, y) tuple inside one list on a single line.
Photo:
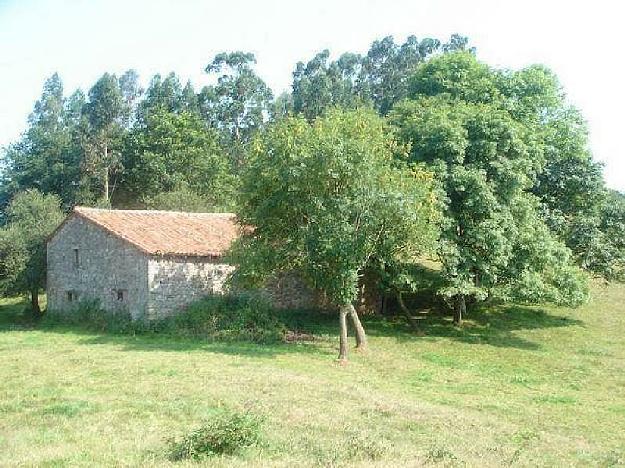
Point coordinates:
[(494, 325), (487, 324), (162, 342), (15, 315)]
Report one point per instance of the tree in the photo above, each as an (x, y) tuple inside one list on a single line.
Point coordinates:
[(608, 254), (387, 67), (238, 102), (182, 198), (487, 155), (169, 152), (131, 92), (328, 200), (105, 113), (163, 95), (46, 157), (320, 85), (380, 78), (31, 218)]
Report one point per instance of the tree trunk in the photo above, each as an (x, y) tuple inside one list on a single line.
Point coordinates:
[(402, 305), (106, 174), (361, 337), (34, 304), (460, 309), (343, 336)]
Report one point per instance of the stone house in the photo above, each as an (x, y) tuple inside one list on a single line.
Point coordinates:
[(150, 263)]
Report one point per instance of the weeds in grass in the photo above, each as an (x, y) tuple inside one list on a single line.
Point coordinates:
[(226, 434), (438, 454), (614, 458), (366, 447)]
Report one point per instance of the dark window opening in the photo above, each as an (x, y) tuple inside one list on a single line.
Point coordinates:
[(122, 294), (76, 258), (72, 296)]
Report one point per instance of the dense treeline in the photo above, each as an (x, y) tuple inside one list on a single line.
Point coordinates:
[(515, 196)]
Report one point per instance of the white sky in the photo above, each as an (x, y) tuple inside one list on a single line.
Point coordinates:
[(580, 40)]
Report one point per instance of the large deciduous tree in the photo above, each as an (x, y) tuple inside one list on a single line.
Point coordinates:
[(328, 200), (31, 217), (482, 142)]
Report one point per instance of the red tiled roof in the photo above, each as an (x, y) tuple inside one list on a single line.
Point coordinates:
[(168, 232)]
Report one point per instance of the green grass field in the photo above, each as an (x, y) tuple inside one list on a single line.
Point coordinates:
[(516, 386)]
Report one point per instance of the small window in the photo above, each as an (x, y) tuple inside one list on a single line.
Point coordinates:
[(122, 294), (76, 258), (72, 296)]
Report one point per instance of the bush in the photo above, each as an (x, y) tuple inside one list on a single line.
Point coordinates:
[(244, 317), (89, 315), (241, 317), (226, 434)]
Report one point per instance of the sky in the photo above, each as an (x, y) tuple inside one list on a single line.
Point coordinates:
[(581, 41)]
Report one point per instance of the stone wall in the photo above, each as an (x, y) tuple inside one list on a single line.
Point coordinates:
[(174, 282), (288, 291), (87, 262)]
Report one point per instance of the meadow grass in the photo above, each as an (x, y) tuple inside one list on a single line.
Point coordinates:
[(522, 386)]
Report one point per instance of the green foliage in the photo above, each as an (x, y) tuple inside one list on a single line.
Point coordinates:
[(608, 256), (226, 433), (320, 85), (175, 152), (47, 156), (89, 315), (181, 198), (105, 106), (379, 79), (103, 130), (328, 200), (486, 159), (167, 96), (458, 76), (245, 317), (30, 218), (237, 103)]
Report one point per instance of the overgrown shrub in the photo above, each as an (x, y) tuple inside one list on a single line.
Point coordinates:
[(245, 317), (226, 433), (240, 317), (89, 314)]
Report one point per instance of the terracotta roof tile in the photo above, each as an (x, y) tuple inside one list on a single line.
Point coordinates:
[(168, 232)]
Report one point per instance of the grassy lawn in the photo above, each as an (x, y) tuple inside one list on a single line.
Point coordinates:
[(516, 386)]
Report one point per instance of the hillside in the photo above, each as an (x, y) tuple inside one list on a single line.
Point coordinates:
[(520, 386)]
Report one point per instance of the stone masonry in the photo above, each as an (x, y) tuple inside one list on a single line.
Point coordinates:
[(141, 262)]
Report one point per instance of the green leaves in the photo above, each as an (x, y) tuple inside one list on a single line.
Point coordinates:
[(476, 129), (31, 218), (169, 152), (328, 199), (238, 102)]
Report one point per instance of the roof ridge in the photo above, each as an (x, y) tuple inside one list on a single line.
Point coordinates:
[(83, 209)]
